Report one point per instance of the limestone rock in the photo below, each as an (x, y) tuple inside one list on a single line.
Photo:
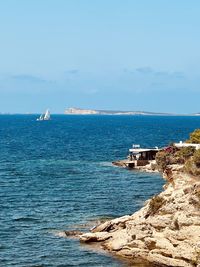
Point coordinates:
[(73, 233), (165, 232), (95, 237)]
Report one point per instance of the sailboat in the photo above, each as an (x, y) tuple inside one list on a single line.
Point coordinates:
[(45, 117)]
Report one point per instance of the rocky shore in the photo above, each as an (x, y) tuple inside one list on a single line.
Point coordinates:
[(146, 168), (165, 232)]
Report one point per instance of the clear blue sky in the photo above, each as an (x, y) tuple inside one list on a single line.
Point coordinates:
[(103, 54)]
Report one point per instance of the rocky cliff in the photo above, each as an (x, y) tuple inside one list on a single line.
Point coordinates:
[(80, 111), (165, 232)]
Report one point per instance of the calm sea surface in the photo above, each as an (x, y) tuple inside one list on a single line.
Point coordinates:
[(57, 175)]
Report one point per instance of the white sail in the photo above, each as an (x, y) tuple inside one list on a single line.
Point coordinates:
[(41, 118), (47, 115)]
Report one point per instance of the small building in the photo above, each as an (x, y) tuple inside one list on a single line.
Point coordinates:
[(141, 156), (182, 144)]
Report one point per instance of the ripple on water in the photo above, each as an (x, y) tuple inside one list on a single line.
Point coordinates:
[(58, 175)]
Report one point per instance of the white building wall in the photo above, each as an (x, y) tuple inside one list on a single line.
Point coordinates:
[(181, 144)]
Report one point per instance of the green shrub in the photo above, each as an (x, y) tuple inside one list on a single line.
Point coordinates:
[(191, 167), (155, 204), (166, 157), (161, 160), (184, 154), (188, 156), (195, 137), (196, 158)]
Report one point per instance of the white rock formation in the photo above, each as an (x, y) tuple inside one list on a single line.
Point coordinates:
[(165, 232)]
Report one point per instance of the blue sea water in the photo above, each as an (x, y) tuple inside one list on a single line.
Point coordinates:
[(57, 175)]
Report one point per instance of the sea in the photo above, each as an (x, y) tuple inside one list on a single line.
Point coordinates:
[(58, 175)]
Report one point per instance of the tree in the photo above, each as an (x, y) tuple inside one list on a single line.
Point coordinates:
[(195, 137)]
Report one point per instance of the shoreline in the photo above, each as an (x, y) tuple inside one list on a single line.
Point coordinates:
[(150, 168), (165, 232)]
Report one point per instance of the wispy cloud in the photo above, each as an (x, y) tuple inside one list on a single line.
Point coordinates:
[(72, 71), (159, 73), (26, 83), (144, 70), (88, 88), (136, 80), (28, 78)]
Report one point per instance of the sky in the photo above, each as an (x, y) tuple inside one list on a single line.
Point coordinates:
[(99, 54)]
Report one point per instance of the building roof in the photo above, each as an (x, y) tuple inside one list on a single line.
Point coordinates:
[(140, 150), (181, 144)]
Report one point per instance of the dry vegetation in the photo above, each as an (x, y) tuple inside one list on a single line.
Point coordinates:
[(187, 156), (155, 204)]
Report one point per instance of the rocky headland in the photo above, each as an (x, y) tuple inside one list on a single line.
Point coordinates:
[(166, 231), (80, 111)]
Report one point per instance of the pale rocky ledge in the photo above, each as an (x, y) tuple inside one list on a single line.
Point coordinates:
[(165, 232)]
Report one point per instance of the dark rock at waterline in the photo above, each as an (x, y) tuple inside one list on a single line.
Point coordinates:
[(73, 233)]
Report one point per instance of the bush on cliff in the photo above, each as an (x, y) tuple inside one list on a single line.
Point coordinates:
[(196, 158), (161, 160), (184, 154), (195, 137), (192, 166), (154, 205), (187, 156), (166, 157)]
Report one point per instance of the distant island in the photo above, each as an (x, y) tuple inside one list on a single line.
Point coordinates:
[(79, 111)]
